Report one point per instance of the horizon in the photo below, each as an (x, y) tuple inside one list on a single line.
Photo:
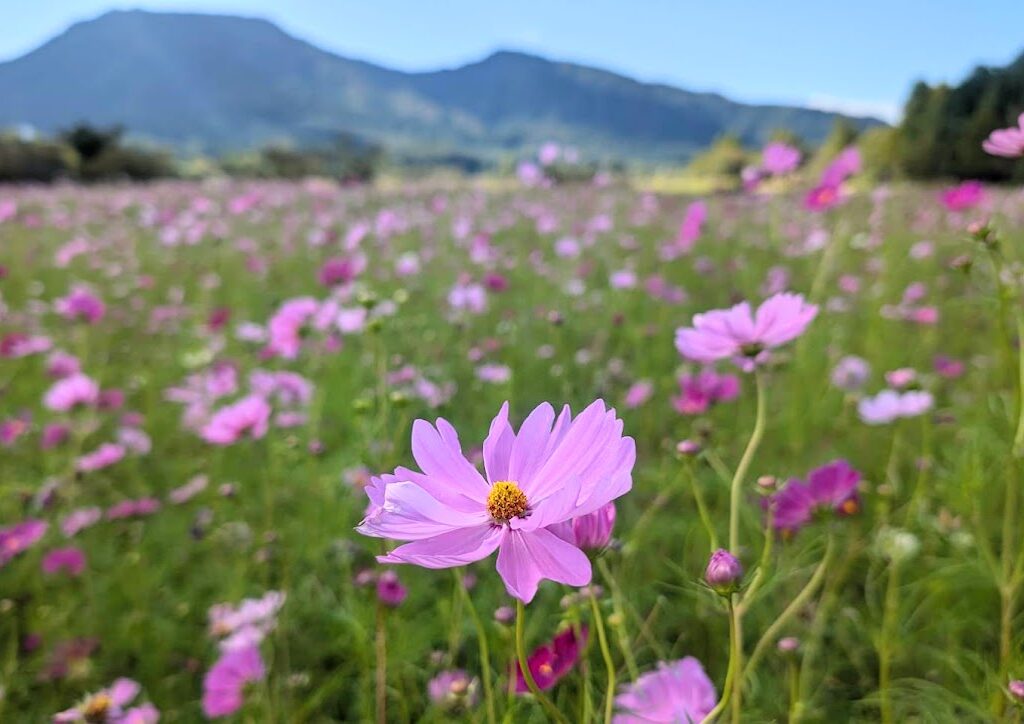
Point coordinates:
[(734, 76)]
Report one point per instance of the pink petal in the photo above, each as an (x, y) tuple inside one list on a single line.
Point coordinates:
[(455, 548), (525, 559)]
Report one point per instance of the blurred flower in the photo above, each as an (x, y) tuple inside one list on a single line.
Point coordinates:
[(851, 373), (701, 391), (779, 158), (1007, 142), (78, 520), (224, 683), (229, 424), (964, 196), (550, 662), (70, 560), (72, 391), (108, 705), (679, 691), (453, 690), (104, 456), (18, 538), (889, 405), (638, 393), (1016, 689), (831, 488), (80, 303), (390, 590), (743, 335)]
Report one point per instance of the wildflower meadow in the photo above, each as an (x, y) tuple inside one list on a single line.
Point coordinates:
[(513, 451)]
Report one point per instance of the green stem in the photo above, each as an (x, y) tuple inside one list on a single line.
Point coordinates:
[(889, 615), (606, 654), (730, 672), (524, 666), (620, 615), (772, 632), (481, 637), (736, 487), (381, 679), (702, 508), (1018, 438)]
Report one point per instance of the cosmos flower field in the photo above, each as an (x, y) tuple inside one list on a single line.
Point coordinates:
[(264, 455)]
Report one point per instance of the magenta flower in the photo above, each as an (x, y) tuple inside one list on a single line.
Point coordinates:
[(18, 538), (844, 165), (778, 158), (70, 392), (745, 336), (341, 270), (70, 560), (948, 367), (964, 196), (693, 223), (82, 304), (108, 705), (551, 471), (823, 197), (390, 590), (831, 488), (104, 456), (679, 691), (550, 662), (1007, 142), (699, 392), (889, 405), (224, 683), (286, 325), (229, 424), (133, 508), (638, 393)]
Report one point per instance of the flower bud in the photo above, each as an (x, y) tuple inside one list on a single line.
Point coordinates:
[(594, 530), (723, 573), (788, 644), (390, 590), (688, 447), (1016, 689)]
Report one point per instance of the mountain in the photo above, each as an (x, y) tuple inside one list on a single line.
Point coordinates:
[(215, 83)]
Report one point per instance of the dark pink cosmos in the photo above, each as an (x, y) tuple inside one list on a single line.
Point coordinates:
[(18, 538), (69, 560), (81, 304), (550, 662), (706, 388), (963, 196), (832, 487)]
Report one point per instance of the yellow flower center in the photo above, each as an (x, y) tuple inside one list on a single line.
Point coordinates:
[(96, 708), (506, 501)]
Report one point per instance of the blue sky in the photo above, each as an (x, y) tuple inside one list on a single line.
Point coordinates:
[(858, 57)]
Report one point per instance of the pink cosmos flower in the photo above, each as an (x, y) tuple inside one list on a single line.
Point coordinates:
[(551, 471), (889, 405), (745, 336), (18, 538), (133, 508), (832, 487), (229, 424), (102, 457), (53, 435), (224, 683), (82, 304), (693, 223), (638, 393), (71, 560), (778, 158), (964, 196), (844, 165), (948, 367), (69, 392), (851, 373), (679, 691), (79, 520), (285, 327), (494, 373), (550, 662), (189, 490), (453, 689), (823, 197), (1007, 142), (108, 705), (341, 270), (699, 392), (61, 364)]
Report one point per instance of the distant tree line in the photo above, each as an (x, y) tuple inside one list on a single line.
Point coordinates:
[(82, 152)]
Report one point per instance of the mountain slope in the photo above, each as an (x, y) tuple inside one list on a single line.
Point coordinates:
[(215, 83)]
